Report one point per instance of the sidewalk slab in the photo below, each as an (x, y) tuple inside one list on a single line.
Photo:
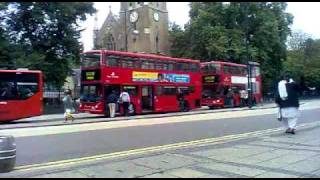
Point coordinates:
[(186, 173)]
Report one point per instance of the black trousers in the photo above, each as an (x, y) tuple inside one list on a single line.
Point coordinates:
[(125, 106)]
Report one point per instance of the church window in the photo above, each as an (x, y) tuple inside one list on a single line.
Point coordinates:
[(110, 43)]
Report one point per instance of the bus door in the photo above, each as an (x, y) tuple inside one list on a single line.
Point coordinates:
[(147, 98)]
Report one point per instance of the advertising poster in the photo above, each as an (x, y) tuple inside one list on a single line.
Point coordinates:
[(144, 76), (160, 77)]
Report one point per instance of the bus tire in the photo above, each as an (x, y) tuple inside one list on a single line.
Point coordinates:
[(211, 107)]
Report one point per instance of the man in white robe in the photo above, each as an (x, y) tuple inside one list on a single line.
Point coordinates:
[(288, 104)]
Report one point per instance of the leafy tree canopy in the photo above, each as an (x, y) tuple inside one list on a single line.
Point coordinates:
[(45, 36), (220, 31)]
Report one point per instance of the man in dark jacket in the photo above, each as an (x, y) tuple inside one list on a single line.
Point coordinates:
[(288, 101), (111, 101)]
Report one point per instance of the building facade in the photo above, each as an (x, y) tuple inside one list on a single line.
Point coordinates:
[(140, 27)]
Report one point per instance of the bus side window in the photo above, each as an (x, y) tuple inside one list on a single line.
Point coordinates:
[(226, 69), (195, 67), (127, 62), (159, 65), (137, 63), (179, 67), (185, 90), (243, 71), (147, 64), (165, 66), (132, 90), (169, 90), (186, 67), (171, 66), (27, 85), (112, 61)]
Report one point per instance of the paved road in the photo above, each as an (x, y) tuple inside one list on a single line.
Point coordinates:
[(47, 148)]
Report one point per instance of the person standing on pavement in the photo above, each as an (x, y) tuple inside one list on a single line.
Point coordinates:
[(244, 97), (68, 106), (288, 102), (180, 98), (125, 101), (111, 101)]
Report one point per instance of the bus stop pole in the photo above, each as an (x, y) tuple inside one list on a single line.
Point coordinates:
[(249, 86)]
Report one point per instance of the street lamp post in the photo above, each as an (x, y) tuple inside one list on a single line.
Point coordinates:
[(248, 57)]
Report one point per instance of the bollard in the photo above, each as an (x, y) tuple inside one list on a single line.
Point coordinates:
[(7, 153)]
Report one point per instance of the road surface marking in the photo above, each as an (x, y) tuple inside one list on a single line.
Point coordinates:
[(211, 141)]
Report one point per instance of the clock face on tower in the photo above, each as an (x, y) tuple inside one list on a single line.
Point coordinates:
[(156, 16), (134, 16)]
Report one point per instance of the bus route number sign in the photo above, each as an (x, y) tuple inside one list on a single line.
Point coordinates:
[(209, 79), (90, 75)]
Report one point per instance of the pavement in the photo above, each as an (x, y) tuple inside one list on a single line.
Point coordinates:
[(260, 154), (203, 110)]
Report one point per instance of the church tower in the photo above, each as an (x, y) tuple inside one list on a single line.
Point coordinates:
[(144, 27), (95, 32)]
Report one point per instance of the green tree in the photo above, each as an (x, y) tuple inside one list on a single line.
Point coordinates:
[(48, 34), (219, 31), (303, 60), (4, 43)]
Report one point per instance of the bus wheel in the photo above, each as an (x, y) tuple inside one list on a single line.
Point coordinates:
[(211, 107)]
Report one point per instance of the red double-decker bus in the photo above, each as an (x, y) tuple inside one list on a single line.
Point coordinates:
[(226, 84), (152, 81), (21, 94)]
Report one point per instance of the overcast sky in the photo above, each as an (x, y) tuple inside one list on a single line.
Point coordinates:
[(305, 14)]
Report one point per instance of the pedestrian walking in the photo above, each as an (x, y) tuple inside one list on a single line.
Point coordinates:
[(181, 100), (244, 97), (230, 95), (288, 102), (111, 102), (125, 101), (68, 106)]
